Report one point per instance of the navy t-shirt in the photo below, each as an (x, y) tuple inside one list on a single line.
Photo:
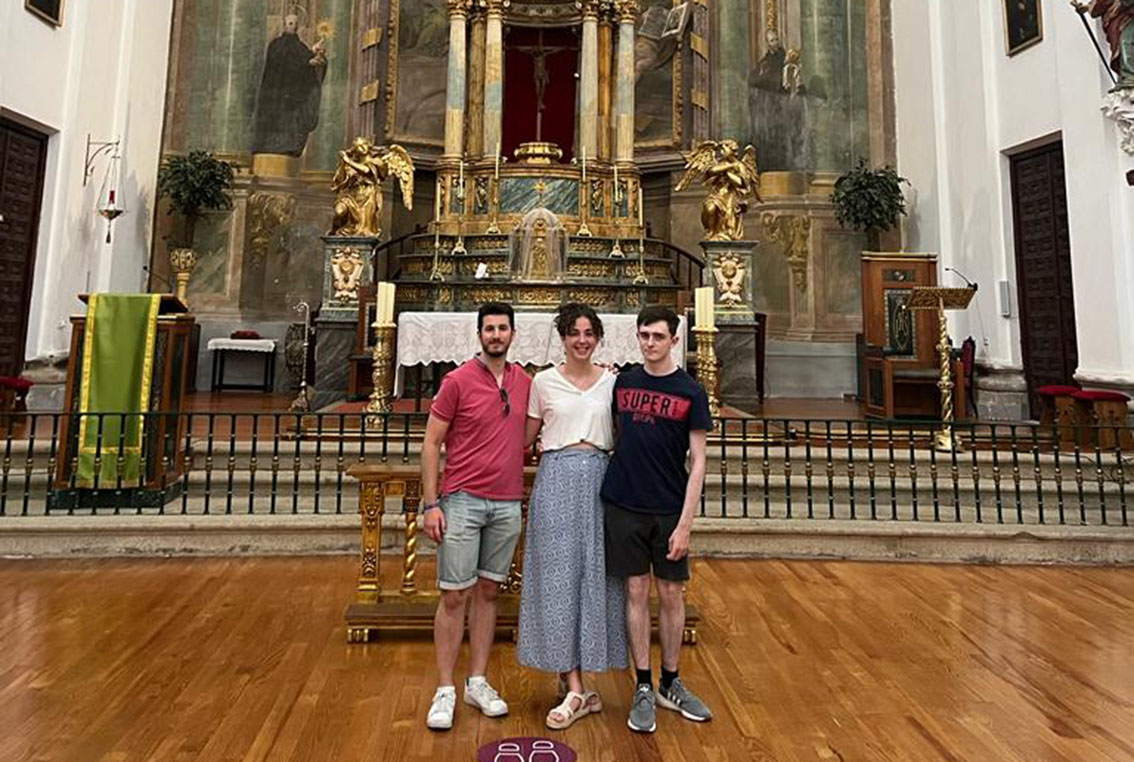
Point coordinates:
[(654, 415)]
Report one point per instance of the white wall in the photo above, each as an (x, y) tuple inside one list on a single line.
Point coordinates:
[(963, 106), (103, 73)]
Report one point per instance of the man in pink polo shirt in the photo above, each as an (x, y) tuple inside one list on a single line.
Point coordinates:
[(479, 413)]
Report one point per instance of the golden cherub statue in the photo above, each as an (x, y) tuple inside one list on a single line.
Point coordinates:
[(731, 178), (358, 183)]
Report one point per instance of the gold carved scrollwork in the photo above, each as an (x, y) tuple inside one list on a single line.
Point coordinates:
[(627, 10), (529, 295), (269, 216), (794, 234), (729, 272), (346, 274)]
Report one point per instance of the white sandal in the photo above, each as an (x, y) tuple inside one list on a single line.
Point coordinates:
[(568, 714), (593, 699)]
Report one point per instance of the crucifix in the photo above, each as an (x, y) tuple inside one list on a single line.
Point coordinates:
[(540, 75)]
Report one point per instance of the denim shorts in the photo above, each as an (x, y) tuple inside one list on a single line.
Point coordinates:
[(480, 539)]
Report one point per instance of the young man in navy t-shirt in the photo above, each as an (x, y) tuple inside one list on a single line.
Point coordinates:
[(662, 415)]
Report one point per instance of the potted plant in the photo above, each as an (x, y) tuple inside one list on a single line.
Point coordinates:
[(194, 183), (869, 200)]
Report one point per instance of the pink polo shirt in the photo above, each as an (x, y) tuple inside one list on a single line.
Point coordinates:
[(484, 447)]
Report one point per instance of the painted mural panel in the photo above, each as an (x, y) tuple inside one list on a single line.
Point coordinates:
[(261, 76), (808, 91), (422, 70), (656, 44)]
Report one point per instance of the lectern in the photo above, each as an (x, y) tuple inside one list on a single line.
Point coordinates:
[(159, 432), (941, 299)]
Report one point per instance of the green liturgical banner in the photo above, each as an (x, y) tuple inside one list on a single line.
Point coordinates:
[(118, 361)]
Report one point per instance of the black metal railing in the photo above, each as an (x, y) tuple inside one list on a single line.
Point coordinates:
[(294, 463)]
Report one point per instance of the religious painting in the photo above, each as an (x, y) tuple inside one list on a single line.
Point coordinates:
[(419, 64), (1023, 24), (290, 91), (901, 341), (656, 54), (808, 95), (50, 11)]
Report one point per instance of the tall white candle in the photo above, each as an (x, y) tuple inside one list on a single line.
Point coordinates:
[(617, 200), (461, 179), (641, 217), (390, 291), (498, 161)]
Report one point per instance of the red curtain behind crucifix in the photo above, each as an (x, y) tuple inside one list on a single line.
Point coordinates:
[(559, 49)]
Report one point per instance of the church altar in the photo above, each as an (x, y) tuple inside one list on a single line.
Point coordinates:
[(431, 337)]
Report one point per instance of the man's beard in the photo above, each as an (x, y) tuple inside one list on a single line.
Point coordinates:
[(494, 350)]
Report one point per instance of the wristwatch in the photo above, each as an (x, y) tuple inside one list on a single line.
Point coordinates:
[(429, 506)]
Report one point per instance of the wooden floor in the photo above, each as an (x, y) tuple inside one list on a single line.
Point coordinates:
[(247, 660)]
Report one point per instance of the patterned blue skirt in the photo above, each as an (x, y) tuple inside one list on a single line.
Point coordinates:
[(571, 615)]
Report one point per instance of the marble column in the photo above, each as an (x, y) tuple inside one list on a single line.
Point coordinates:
[(605, 84), (624, 105), (475, 120), (455, 88), (588, 84), (494, 76)]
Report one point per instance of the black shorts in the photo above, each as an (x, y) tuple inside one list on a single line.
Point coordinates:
[(635, 542)]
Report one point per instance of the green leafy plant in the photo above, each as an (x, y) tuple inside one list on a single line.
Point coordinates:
[(869, 200), (194, 183)]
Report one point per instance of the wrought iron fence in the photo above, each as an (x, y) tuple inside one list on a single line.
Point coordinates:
[(274, 463)]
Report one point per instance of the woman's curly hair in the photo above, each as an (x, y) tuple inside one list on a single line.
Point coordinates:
[(572, 311)]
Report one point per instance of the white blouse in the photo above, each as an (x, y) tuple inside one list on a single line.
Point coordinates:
[(571, 416)]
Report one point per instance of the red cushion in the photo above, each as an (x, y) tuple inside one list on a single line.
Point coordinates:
[(1098, 395), (1057, 390)]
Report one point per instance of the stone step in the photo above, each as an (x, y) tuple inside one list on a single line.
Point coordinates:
[(882, 540)]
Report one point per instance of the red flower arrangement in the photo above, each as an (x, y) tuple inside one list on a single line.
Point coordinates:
[(16, 383)]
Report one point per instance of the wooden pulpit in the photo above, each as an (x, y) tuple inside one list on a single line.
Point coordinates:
[(163, 429)]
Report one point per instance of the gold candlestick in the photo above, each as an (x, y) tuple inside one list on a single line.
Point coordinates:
[(707, 366), (382, 374)]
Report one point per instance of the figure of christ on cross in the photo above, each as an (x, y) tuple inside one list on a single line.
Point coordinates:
[(540, 74)]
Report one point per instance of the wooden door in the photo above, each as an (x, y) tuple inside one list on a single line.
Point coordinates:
[(1043, 269), (23, 155)]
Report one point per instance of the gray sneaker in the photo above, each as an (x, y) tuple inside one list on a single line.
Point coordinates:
[(643, 712), (681, 699)]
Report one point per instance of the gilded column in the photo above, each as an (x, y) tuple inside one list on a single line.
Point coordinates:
[(624, 105), (494, 76), (588, 85), (475, 120), (455, 88), (605, 83)]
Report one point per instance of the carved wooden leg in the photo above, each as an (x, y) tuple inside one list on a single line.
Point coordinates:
[(409, 563), (371, 506)]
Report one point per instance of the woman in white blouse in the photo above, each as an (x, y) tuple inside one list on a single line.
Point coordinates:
[(572, 618)]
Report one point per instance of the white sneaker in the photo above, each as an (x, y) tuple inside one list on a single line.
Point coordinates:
[(440, 715), (483, 696)]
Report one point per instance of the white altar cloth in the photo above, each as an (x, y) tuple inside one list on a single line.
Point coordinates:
[(428, 337)]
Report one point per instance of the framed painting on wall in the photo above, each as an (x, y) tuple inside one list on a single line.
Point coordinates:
[(1023, 24), (50, 11)]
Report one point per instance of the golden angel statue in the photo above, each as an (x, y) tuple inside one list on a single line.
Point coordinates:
[(358, 185), (731, 178)]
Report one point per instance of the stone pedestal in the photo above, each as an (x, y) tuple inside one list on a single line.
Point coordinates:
[(334, 344), (1001, 394), (346, 268), (728, 265)]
